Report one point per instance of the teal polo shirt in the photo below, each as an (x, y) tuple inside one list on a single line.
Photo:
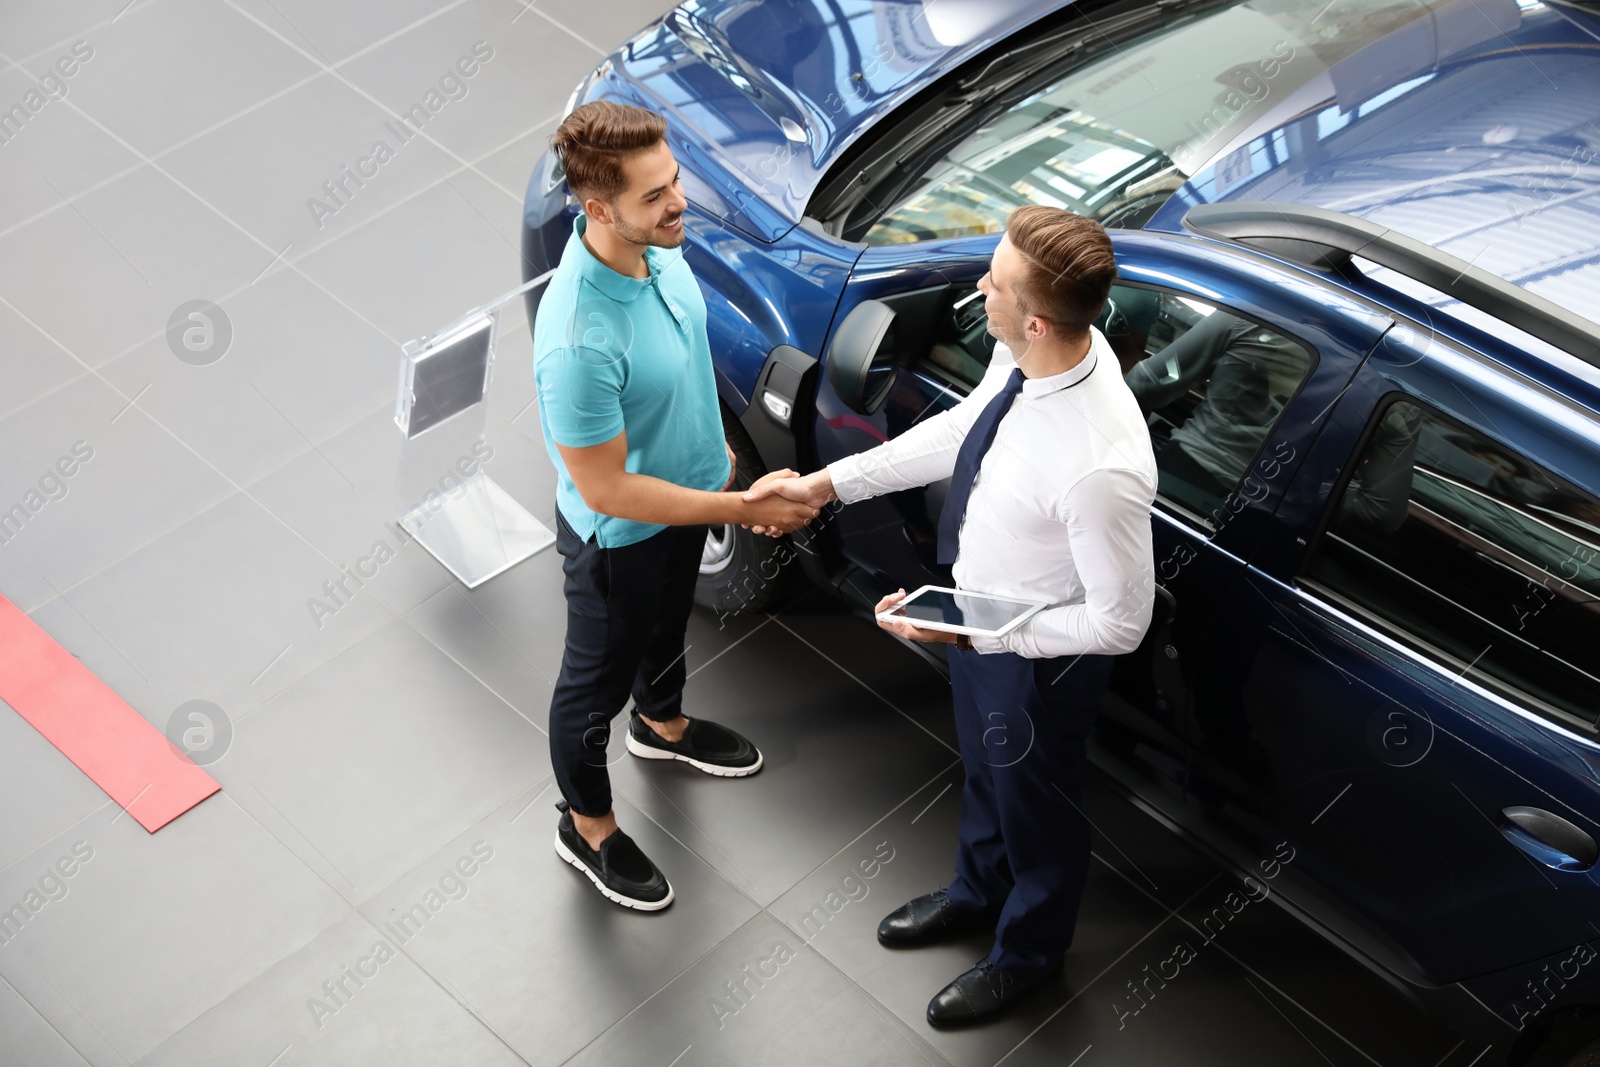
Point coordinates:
[(613, 354)]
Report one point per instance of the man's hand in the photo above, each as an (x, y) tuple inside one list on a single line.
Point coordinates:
[(909, 631), (776, 515), (733, 468), (814, 489)]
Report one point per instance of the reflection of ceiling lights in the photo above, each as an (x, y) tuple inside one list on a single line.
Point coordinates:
[(1499, 134)]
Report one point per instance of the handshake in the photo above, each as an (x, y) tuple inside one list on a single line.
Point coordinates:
[(783, 501)]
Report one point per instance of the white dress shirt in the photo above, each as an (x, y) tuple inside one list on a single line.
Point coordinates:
[(1060, 510)]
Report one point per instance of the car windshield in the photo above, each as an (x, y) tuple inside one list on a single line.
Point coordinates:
[(1113, 137)]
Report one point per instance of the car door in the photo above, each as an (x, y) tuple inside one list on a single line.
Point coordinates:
[(1288, 353), (1413, 671), (934, 353)]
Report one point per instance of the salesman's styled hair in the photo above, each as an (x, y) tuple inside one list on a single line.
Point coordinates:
[(594, 141), (1070, 266)]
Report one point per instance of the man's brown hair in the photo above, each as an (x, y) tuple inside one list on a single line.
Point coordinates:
[(1070, 266), (594, 141)]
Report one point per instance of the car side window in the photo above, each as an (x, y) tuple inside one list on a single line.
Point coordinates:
[(961, 343), (1212, 385), (1473, 554)]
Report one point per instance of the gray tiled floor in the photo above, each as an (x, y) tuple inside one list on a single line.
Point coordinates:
[(375, 883)]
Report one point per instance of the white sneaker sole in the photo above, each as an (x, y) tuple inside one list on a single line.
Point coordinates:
[(611, 894), (646, 752)]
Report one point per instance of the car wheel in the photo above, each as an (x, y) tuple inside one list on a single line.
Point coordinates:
[(739, 570)]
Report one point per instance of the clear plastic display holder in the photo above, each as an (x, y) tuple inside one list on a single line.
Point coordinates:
[(444, 497)]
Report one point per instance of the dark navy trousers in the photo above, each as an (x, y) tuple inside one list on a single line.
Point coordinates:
[(1023, 726), (627, 611)]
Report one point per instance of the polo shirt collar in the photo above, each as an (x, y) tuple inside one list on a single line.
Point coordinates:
[(1035, 387), (616, 286)]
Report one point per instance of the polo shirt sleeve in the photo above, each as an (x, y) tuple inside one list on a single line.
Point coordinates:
[(580, 395)]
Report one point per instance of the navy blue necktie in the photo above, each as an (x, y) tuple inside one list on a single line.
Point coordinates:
[(968, 460)]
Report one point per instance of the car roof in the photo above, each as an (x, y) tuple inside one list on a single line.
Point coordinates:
[(1480, 136)]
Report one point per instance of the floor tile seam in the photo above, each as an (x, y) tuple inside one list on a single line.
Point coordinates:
[(1291, 1000), (1240, 963), (893, 706), (45, 1019), (325, 66), (380, 42), (533, 5), (33, 849), (448, 988), (1147, 935), (62, 204), (855, 840), (61, 594), (470, 165), (619, 788), (143, 159), (897, 1024), (293, 265), (214, 1004), (157, 334), (406, 618), (267, 695), (322, 70), (288, 848), (685, 970), (76, 34), (289, 265), (309, 449), (731, 646), (4, 415), (364, 899)]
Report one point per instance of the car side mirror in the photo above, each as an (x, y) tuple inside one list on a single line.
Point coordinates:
[(861, 359)]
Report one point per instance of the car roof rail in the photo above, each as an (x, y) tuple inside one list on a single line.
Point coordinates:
[(1323, 239)]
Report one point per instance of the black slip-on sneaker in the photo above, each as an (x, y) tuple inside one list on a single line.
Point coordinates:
[(706, 745), (619, 869)]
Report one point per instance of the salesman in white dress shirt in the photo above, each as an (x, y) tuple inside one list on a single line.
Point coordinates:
[(1051, 481)]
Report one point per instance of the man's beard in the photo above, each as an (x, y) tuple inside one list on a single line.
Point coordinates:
[(639, 236)]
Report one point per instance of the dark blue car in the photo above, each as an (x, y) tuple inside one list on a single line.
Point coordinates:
[(1359, 245)]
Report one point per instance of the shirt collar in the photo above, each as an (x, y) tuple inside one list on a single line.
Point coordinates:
[(1036, 387), (616, 286)]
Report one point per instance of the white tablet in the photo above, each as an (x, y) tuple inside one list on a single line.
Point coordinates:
[(961, 611)]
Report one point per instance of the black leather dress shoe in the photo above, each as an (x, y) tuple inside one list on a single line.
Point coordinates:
[(930, 918), (984, 993)]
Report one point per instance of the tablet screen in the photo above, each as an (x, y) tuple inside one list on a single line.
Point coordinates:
[(961, 609)]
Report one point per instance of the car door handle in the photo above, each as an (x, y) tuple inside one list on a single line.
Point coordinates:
[(1549, 838)]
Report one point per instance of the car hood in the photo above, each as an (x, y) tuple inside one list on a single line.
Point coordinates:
[(762, 96)]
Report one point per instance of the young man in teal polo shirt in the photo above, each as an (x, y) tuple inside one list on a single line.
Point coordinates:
[(629, 406)]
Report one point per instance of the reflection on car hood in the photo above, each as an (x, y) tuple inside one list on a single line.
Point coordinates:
[(763, 95), (1478, 133)]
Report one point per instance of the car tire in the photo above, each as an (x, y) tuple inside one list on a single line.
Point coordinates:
[(1587, 1056), (742, 571)]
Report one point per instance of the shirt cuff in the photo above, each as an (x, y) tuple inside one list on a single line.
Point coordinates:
[(847, 481), (985, 645)]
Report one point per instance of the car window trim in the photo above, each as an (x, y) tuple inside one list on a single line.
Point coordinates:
[(1427, 655), (1302, 581)]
